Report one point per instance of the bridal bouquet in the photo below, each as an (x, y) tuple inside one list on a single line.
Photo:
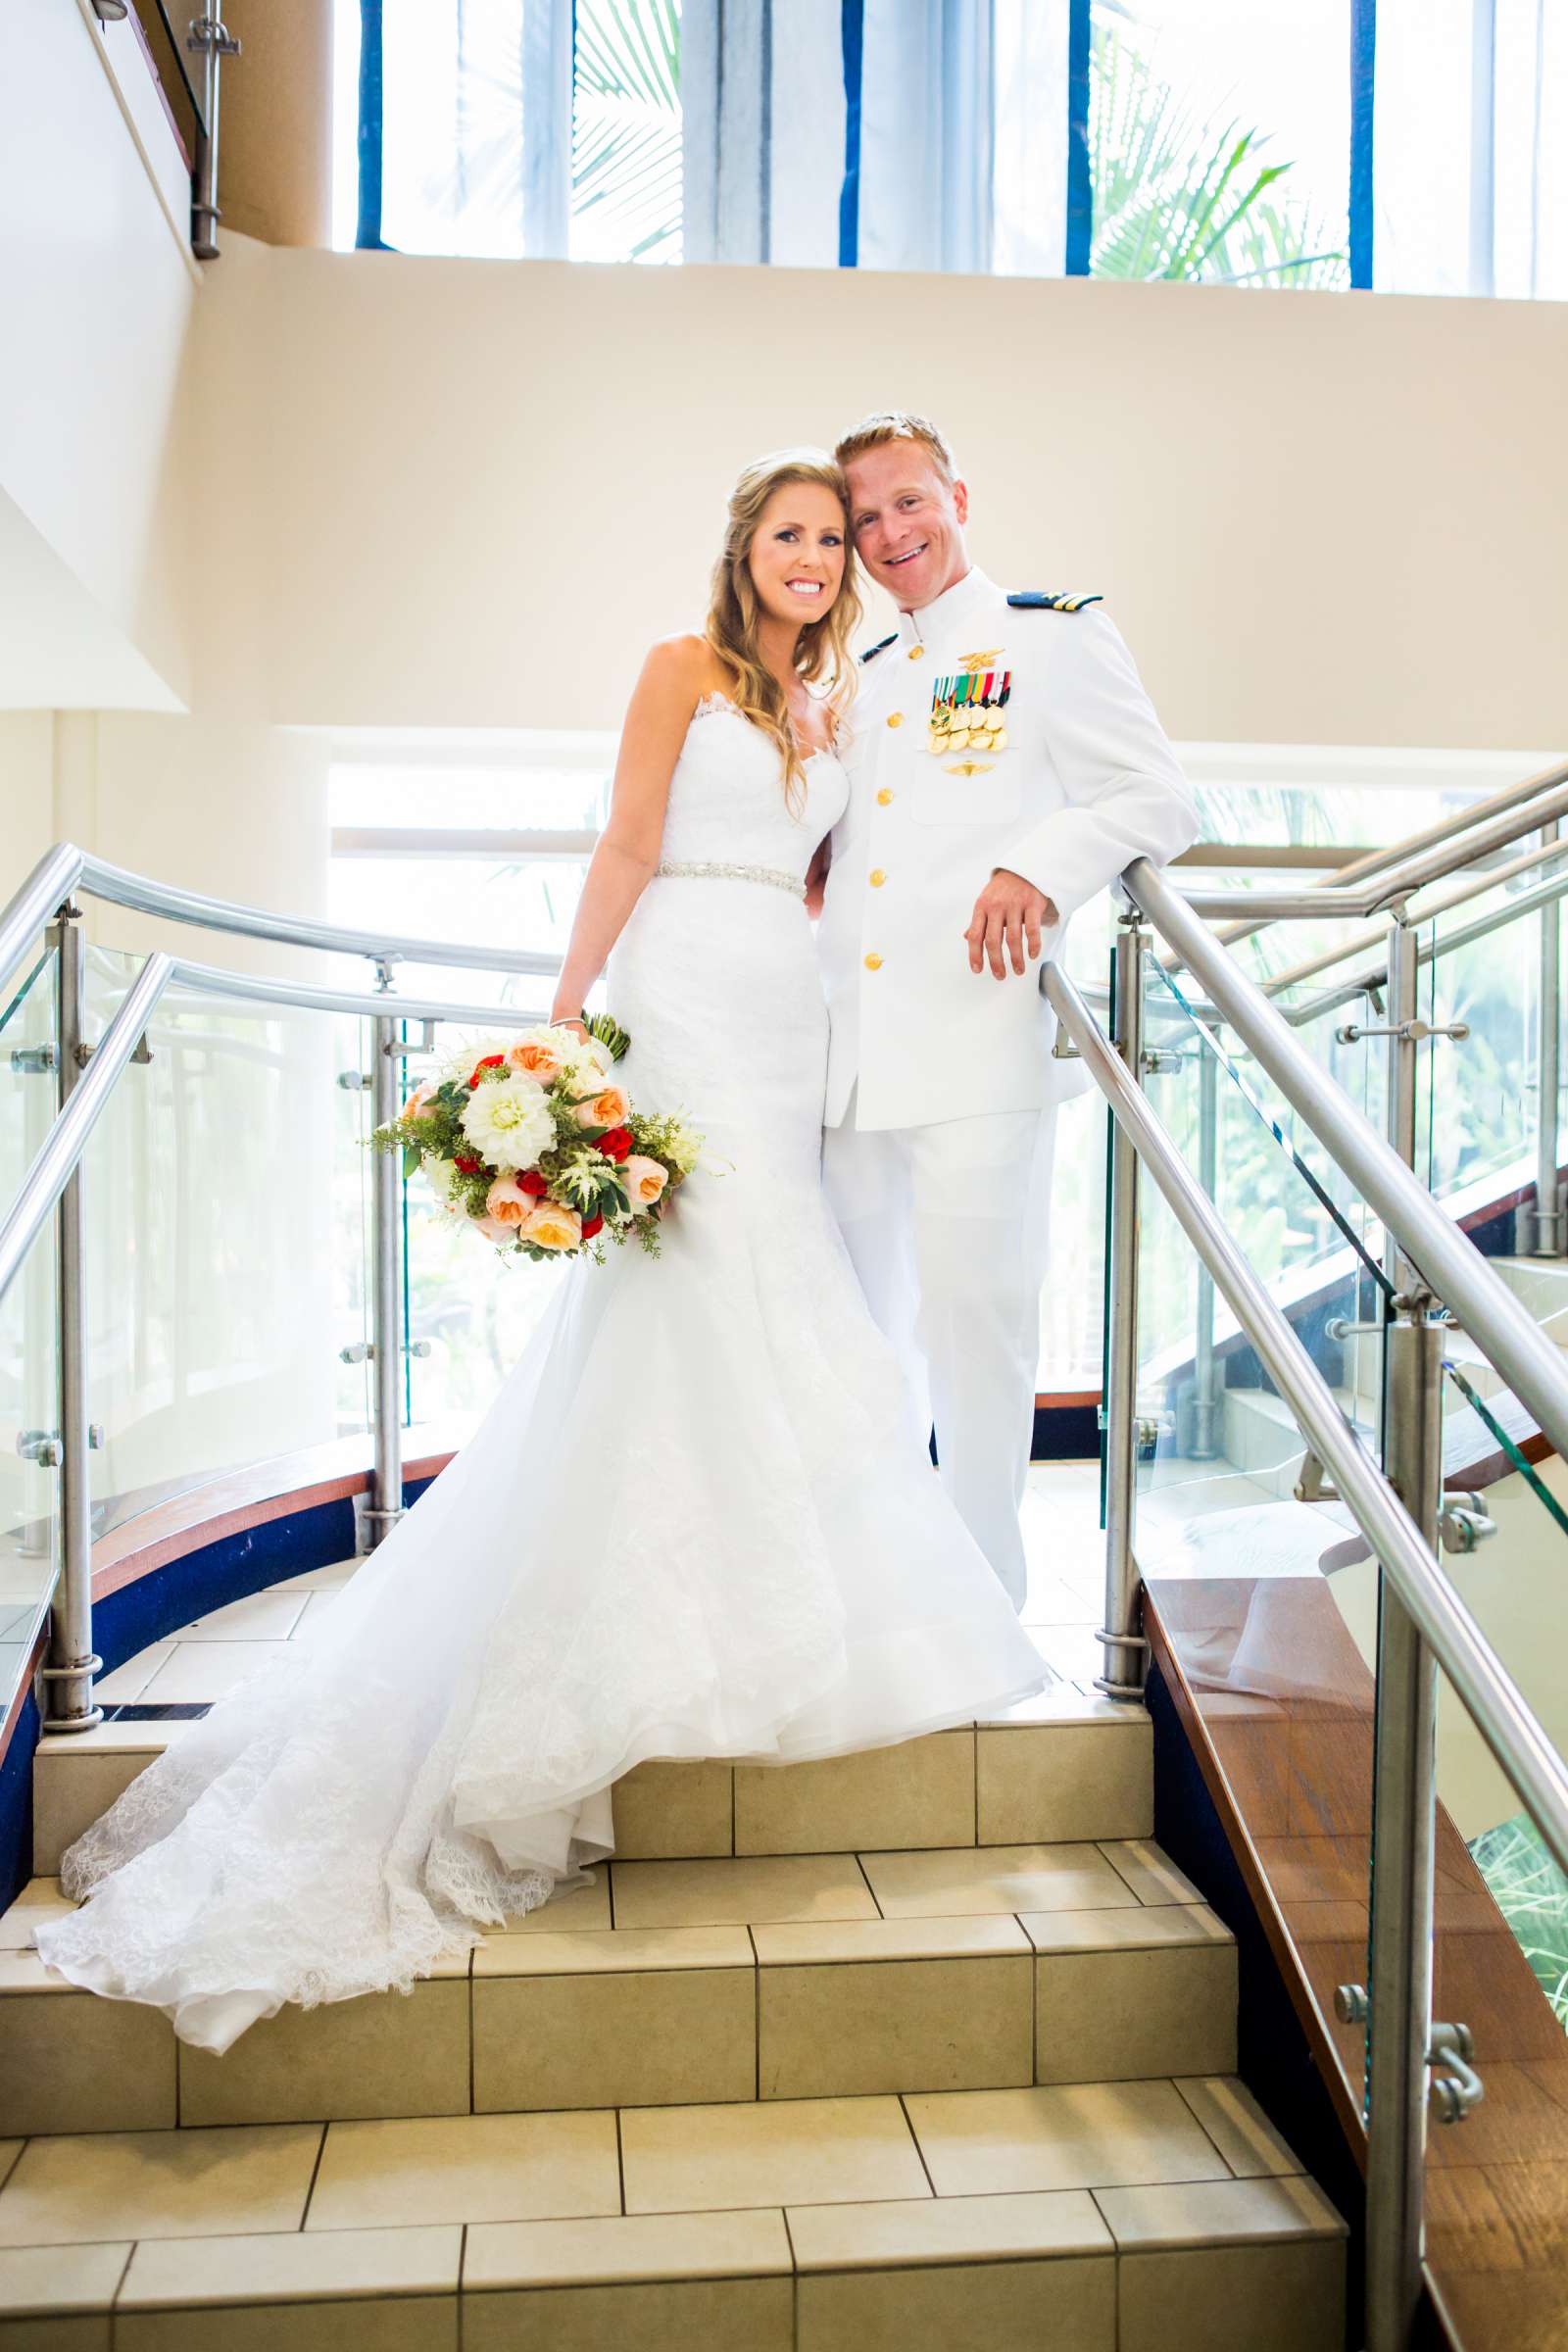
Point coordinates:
[(533, 1142)]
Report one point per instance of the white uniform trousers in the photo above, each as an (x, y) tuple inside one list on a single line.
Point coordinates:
[(948, 1226)]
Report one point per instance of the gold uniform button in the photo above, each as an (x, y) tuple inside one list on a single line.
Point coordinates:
[(873, 964), (878, 877), (883, 797), (895, 718), (915, 651)]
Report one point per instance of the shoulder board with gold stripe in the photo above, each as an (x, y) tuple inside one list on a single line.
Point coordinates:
[(871, 651), (1035, 600)]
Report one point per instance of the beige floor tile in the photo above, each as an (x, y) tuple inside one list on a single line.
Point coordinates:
[(1108, 2015), (470, 2168), (623, 2249), (1161, 2216), (1089, 1780), (665, 1809), (292, 2266), (39, 1899), (70, 1794), (34, 2280), (658, 2037), (159, 2184), (796, 2152), (1141, 1929), (999, 1878), (579, 1908), (81, 2331), (318, 1606), (127, 1682), (320, 1580), (1149, 1871), (386, 2053), (706, 2315), (369, 2323), (1076, 2135), (966, 1936), (997, 2307), (1234, 2298), (1072, 1649), (918, 1793), (209, 1669), (894, 2026), (259, 1617), (1239, 2128), (70, 2062), (947, 2229), (9, 2153), (717, 1893), (1064, 1702), (109, 1738), (613, 1951)]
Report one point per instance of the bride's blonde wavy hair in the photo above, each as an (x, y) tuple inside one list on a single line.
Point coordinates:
[(822, 655)]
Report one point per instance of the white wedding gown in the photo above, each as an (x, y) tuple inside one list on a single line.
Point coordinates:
[(697, 1521)]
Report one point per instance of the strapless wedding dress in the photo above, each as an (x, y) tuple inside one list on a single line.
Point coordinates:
[(698, 1520)]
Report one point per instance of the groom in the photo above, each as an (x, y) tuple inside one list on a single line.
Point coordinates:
[(1007, 766)]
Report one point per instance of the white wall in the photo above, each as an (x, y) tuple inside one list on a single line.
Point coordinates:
[(97, 289), (467, 493)]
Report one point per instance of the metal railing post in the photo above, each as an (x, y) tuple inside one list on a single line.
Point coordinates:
[(1124, 1646), (1403, 1012), (385, 1506), (209, 39), (1403, 1776), (1549, 1236), (67, 1675), (1205, 1446)]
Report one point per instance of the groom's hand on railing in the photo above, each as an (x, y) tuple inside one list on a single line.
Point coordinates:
[(1007, 917)]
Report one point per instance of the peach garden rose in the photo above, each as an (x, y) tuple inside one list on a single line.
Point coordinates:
[(553, 1226), (645, 1179), (607, 1108)]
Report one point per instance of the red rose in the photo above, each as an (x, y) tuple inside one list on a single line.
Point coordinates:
[(491, 1061), (532, 1182), (468, 1167), (616, 1145), (591, 1226)]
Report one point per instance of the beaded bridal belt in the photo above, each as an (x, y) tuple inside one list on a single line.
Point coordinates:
[(700, 869)]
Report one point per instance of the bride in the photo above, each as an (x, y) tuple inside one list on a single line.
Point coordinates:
[(699, 1519)]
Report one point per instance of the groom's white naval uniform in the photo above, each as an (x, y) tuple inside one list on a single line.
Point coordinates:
[(942, 1089)]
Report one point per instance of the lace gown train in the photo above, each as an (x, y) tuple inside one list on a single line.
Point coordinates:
[(697, 1521)]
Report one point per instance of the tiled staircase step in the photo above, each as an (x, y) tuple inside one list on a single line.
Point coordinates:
[(1061, 1766), (811, 2225), (735, 1979)]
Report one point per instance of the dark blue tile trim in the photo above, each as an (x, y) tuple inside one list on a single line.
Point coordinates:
[(1364, 89), (851, 36), (369, 228), (1080, 176)]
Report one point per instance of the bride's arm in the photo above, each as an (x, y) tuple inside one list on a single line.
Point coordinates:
[(627, 851)]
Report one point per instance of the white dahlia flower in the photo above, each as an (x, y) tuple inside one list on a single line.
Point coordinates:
[(508, 1122)]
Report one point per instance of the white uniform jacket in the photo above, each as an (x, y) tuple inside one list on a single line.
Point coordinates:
[(1078, 782)]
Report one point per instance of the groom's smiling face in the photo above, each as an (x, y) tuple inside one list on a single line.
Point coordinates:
[(908, 521)]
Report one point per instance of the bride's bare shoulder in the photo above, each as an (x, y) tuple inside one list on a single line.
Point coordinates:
[(687, 663)]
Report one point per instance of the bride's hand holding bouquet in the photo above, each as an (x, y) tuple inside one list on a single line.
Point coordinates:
[(530, 1138)]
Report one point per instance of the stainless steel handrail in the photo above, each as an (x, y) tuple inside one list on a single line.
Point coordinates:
[(1393, 882), (55, 1159), (1444, 902), (1451, 1263), (299, 995), (64, 869), (1430, 951), (1481, 813), (1501, 1714)]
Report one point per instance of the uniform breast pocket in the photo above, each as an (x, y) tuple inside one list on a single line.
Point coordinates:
[(968, 790)]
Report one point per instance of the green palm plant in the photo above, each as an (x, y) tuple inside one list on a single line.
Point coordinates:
[(1178, 197), (626, 131)]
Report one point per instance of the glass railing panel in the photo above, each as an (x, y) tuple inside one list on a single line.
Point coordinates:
[(29, 1481), (352, 1224), (1478, 1099), (219, 1186)]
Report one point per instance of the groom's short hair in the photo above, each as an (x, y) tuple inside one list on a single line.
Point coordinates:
[(899, 425)]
